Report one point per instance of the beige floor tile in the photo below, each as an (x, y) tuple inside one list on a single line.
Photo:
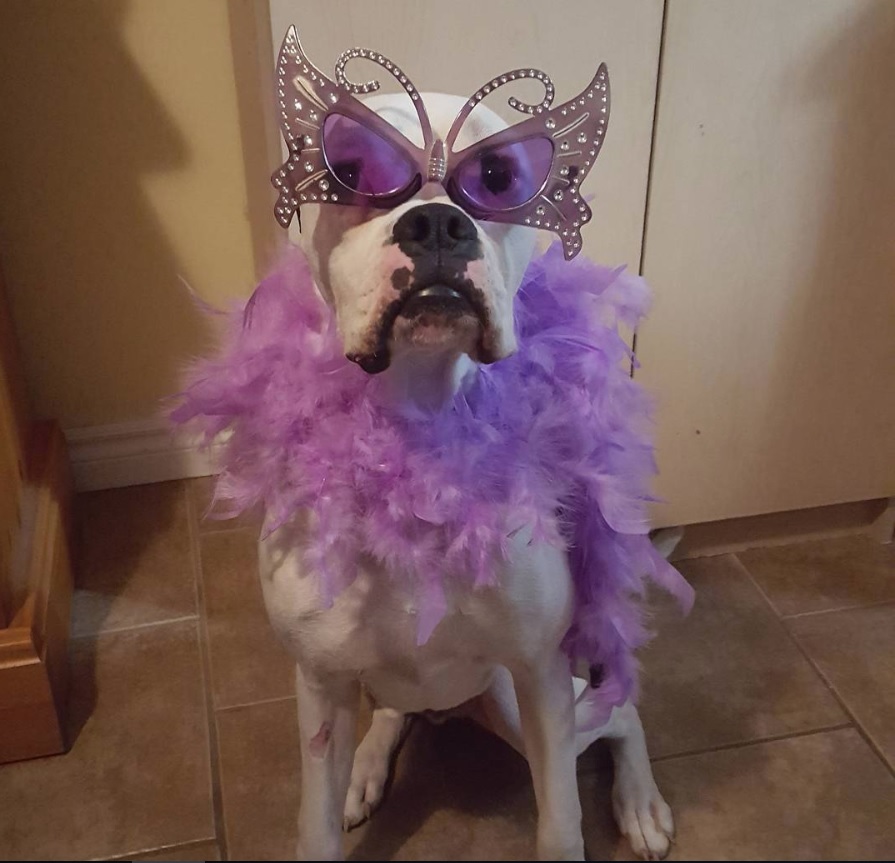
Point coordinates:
[(134, 563), (729, 672), (137, 776), (856, 652), (845, 572), (202, 490), (819, 797), (248, 662), (260, 771)]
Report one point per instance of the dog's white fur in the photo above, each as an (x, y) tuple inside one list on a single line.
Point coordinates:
[(497, 651)]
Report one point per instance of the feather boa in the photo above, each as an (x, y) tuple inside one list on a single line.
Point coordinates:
[(555, 438)]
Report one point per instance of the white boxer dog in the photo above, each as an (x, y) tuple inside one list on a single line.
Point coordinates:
[(496, 650)]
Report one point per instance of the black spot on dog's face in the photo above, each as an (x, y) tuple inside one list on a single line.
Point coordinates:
[(401, 279)]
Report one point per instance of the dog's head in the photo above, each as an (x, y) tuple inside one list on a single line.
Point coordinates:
[(425, 276), (441, 200)]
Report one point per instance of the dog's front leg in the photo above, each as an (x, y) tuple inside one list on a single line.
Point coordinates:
[(547, 711), (640, 812), (327, 715)]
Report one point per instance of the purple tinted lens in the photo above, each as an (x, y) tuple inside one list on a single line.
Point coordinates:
[(506, 176), (362, 160)]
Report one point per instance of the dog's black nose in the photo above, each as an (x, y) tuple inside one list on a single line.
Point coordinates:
[(432, 228)]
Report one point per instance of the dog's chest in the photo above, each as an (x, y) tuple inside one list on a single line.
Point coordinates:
[(371, 629)]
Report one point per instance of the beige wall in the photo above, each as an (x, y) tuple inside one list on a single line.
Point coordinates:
[(121, 168)]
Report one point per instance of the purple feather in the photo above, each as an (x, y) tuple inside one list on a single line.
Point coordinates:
[(555, 438)]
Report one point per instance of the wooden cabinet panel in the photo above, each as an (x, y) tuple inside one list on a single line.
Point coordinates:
[(33, 646), (14, 421), (35, 568), (770, 246)]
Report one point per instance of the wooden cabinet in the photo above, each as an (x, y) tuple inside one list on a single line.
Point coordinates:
[(35, 568), (770, 244)]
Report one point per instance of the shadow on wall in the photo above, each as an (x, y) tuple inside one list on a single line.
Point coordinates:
[(840, 333), (95, 294)]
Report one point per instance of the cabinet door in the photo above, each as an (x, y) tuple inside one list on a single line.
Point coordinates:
[(456, 47), (770, 243)]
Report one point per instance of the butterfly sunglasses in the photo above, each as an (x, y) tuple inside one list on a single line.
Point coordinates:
[(343, 152)]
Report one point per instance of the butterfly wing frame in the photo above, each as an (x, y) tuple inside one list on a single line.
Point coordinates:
[(306, 96), (576, 129)]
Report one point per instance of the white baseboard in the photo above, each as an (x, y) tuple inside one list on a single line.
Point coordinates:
[(134, 453)]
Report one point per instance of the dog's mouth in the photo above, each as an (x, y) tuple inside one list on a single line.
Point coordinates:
[(434, 313), (435, 299)]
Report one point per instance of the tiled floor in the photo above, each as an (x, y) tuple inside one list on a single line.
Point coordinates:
[(770, 714)]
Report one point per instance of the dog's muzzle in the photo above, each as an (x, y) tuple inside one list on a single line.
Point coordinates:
[(440, 241)]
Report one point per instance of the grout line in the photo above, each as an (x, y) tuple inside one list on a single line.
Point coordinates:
[(822, 611), (275, 700), (217, 800), (181, 846), (152, 624), (742, 744), (754, 582), (820, 673), (649, 167)]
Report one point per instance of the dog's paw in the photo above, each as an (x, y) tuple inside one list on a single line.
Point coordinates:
[(372, 765), (643, 817), (368, 778)]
